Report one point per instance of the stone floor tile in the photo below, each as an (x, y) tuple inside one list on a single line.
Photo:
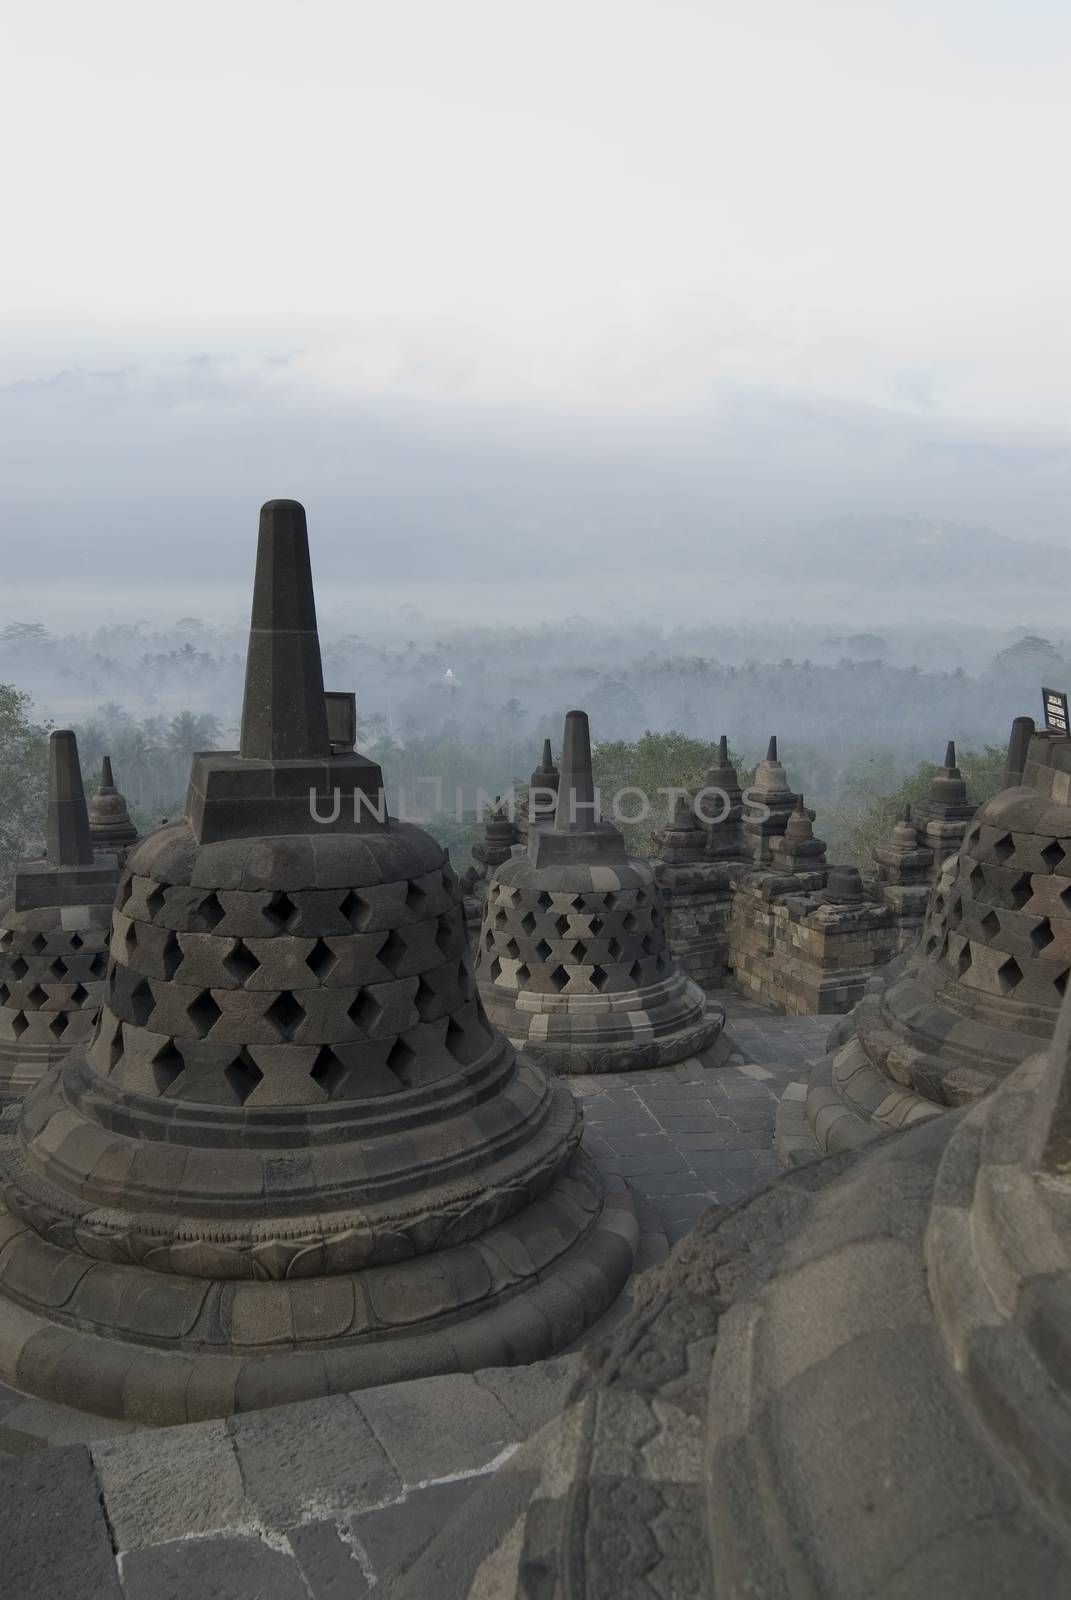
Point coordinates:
[(332, 1563), (394, 1537), (55, 1541), (318, 1457), (165, 1483), (532, 1395), (439, 1426), (222, 1567)]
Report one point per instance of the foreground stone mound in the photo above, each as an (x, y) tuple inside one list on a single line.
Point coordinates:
[(980, 990), (296, 1158), (572, 958), (54, 932), (855, 1386)]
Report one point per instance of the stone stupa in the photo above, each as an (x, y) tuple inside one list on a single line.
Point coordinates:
[(854, 1386), (54, 932), (110, 826), (296, 1159), (943, 815), (572, 958), (978, 992)]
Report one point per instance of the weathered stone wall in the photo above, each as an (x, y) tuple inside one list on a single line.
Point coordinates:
[(790, 948), (698, 904)]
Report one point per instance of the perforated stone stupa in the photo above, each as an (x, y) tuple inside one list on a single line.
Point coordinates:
[(979, 991), (54, 932), (572, 958), (296, 1158)]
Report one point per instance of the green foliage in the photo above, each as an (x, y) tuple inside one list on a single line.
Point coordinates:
[(458, 837), (653, 762), (870, 798), (151, 759), (23, 782)]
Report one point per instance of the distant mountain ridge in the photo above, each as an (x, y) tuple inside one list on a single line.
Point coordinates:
[(901, 550)]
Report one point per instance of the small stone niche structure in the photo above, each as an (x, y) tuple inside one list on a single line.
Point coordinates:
[(296, 1158), (572, 959), (110, 827), (749, 895), (980, 990), (856, 1384), (54, 932)]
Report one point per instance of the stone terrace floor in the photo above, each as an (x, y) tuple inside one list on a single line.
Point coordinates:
[(334, 1499), (686, 1137)]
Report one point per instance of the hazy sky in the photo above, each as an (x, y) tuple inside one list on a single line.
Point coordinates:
[(597, 210)]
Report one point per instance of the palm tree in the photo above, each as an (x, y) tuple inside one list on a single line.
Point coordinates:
[(114, 715), (374, 727), (136, 753), (93, 743), (191, 732)]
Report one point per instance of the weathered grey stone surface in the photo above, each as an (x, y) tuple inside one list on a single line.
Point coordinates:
[(500, 836), (855, 1384), (978, 992), (301, 1500), (110, 827), (296, 1158), (54, 933), (244, 1480), (748, 895), (55, 1537), (572, 959), (688, 1136)]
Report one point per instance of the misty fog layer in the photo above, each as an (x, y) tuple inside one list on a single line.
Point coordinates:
[(133, 493)]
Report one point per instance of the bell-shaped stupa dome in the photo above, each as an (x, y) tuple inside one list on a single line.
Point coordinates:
[(572, 958), (54, 932), (296, 1158), (978, 992)]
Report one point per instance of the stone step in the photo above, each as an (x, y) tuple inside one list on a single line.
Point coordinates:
[(321, 1500)]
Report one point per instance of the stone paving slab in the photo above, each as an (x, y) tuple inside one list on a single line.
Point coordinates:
[(699, 1133), (324, 1500), (56, 1543)]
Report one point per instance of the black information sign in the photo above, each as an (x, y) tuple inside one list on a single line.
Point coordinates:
[(1056, 714)]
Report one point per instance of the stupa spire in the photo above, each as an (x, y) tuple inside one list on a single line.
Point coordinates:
[(284, 717), (1022, 731), (69, 843), (577, 811), (950, 754)]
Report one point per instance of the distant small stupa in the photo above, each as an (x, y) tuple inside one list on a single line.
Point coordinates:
[(54, 932)]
